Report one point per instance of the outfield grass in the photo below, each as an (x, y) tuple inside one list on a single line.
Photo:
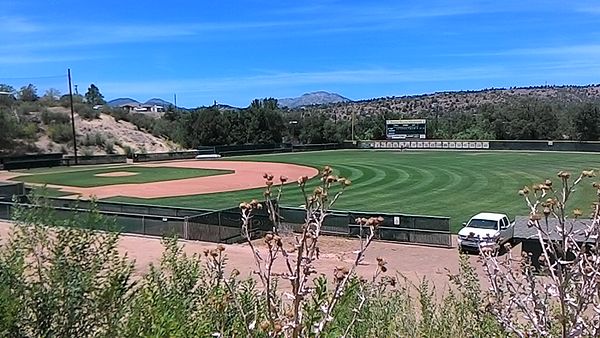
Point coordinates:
[(86, 178), (454, 184)]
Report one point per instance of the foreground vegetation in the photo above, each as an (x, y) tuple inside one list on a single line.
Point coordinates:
[(64, 279)]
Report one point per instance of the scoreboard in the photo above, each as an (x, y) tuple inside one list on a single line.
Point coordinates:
[(405, 129)]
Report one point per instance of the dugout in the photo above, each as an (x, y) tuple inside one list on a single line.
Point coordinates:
[(528, 236), (31, 161), (10, 189)]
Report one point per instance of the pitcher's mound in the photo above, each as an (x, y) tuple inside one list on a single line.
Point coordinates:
[(116, 174)]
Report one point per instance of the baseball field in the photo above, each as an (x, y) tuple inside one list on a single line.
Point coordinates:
[(443, 183)]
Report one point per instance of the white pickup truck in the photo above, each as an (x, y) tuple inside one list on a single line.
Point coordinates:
[(485, 229)]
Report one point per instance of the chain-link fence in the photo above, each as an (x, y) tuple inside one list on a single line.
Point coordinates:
[(224, 226), (418, 229)]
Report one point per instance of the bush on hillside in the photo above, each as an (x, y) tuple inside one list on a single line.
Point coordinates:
[(60, 133), (49, 117), (85, 111), (26, 107)]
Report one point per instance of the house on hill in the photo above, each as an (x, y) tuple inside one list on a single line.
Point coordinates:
[(142, 108)]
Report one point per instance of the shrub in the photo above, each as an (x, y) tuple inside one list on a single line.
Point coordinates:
[(118, 114), (49, 117), (129, 152), (87, 151), (60, 133), (99, 139), (24, 108), (29, 131), (96, 139), (69, 281), (85, 111), (109, 147)]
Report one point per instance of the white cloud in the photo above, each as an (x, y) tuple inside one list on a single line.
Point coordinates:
[(584, 50), (273, 80), (17, 25)]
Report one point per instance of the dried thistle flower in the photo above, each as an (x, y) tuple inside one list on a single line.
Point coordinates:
[(220, 247), (302, 180), (283, 179), (588, 173), (577, 212), (564, 174), (264, 325), (318, 191), (535, 217), (331, 179)]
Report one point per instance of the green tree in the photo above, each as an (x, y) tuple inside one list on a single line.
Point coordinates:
[(587, 122), (7, 95), (28, 93), (206, 127), (93, 95), (265, 123), (9, 127), (51, 95)]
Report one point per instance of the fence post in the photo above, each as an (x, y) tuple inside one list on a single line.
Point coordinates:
[(143, 225), (185, 228), (219, 220)]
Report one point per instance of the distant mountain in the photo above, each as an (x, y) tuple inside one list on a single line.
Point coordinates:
[(121, 101), (158, 102), (309, 99)]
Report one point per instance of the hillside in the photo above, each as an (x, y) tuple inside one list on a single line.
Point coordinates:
[(97, 136), (309, 99), (460, 101)]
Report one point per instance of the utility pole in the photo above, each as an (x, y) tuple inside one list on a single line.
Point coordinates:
[(175, 101), (72, 116)]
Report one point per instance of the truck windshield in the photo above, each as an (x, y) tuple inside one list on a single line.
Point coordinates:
[(483, 224)]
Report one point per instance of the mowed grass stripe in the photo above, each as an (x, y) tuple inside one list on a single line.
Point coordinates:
[(455, 184)]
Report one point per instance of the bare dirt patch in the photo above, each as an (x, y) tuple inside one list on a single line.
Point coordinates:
[(116, 174), (411, 261)]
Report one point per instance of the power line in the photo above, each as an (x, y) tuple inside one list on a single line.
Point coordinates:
[(33, 77)]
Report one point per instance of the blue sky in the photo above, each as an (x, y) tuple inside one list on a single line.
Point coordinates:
[(235, 51)]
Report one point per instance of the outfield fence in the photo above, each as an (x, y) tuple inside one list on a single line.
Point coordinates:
[(94, 159), (224, 226), (525, 145), (166, 156), (396, 227)]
